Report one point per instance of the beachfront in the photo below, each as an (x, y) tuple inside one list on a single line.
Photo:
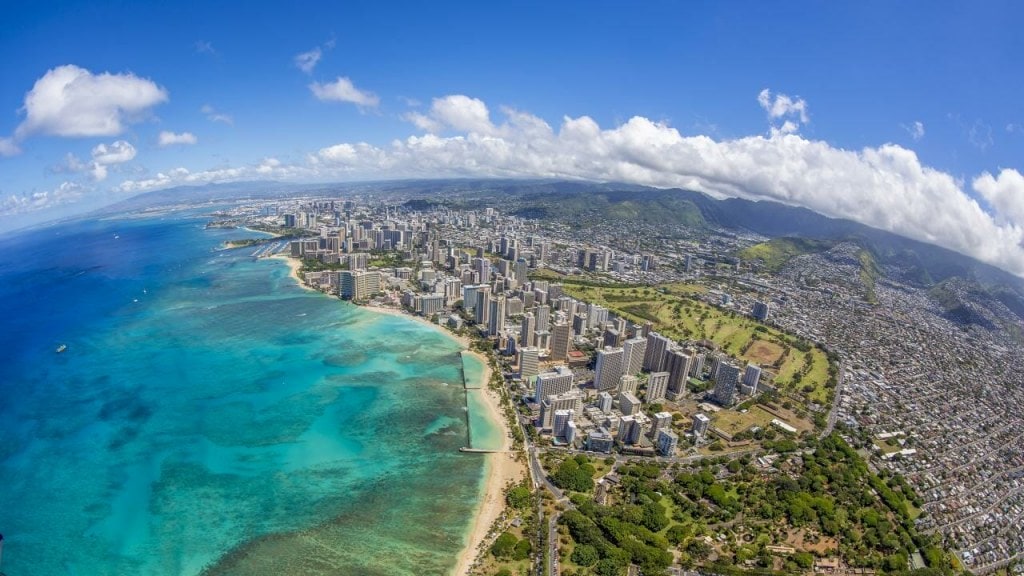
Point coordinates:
[(501, 469)]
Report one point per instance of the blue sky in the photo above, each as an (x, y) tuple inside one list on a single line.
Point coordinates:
[(902, 115)]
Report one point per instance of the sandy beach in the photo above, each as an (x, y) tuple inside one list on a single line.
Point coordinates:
[(501, 468), (294, 264)]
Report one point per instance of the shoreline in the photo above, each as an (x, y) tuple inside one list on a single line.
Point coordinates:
[(499, 468), (294, 265)]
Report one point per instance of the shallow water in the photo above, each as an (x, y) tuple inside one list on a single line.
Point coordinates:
[(210, 414)]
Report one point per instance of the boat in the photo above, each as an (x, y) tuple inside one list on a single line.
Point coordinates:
[(62, 348)]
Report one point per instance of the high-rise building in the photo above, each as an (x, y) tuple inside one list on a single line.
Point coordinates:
[(751, 376), (628, 404), (496, 320), (654, 354), (526, 330), (725, 383), (596, 315), (761, 311), (657, 386), (629, 430), (358, 284), (570, 431), (600, 440), (697, 366), (634, 349), (700, 425), (609, 368), (628, 383), (571, 400), (528, 362), (561, 337), (561, 419), (543, 317), (481, 310), (667, 441), (558, 381), (677, 363), (662, 421), (604, 402)]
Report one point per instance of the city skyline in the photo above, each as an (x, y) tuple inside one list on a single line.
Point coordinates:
[(877, 113)]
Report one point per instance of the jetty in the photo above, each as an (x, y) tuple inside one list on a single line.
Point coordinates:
[(480, 450)]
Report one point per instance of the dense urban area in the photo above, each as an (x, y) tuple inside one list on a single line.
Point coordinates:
[(693, 401)]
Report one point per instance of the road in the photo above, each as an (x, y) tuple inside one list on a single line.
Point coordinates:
[(833, 413)]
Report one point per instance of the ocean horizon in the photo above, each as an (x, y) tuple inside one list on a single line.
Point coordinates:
[(209, 416)]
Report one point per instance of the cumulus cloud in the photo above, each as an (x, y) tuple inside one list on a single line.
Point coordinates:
[(104, 155), (343, 90), (783, 106), (117, 152), (886, 186), (170, 138), (916, 130), (307, 61), (74, 102), (1004, 193), (66, 193), (213, 115)]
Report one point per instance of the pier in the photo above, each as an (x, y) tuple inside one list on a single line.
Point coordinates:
[(468, 450)]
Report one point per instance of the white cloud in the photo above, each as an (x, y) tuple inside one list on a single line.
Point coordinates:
[(307, 61), (72, 101), (343, 90), (170, 138), (979, 135), (66, 193), (117, 152), (215, 116), (783, 106), (916, 130), (1004, 193), (886, 186)]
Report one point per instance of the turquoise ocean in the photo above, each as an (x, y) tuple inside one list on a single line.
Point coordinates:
[(209, 416)]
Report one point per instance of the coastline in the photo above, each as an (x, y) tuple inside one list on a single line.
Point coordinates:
[(500, 468), (293, 270)]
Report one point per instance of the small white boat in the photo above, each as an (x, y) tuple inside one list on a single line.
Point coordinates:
[(62, 348)]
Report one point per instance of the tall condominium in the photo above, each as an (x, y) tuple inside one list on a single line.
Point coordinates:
[(654, 354), (657, 386), (628, 404), (358, 284), (496, 320), (667, 441), (661, 421), (543, 317), (528, 362), (677, 363), (561, 337), (700, 425), (481, 310), (634, 349), (629, 430), (558, 381), (628, 383), (609, 368), (725, 383), (526, 330), (751, 376), (761, 311)]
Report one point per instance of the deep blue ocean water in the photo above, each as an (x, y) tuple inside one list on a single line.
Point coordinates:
[(210, 416)]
